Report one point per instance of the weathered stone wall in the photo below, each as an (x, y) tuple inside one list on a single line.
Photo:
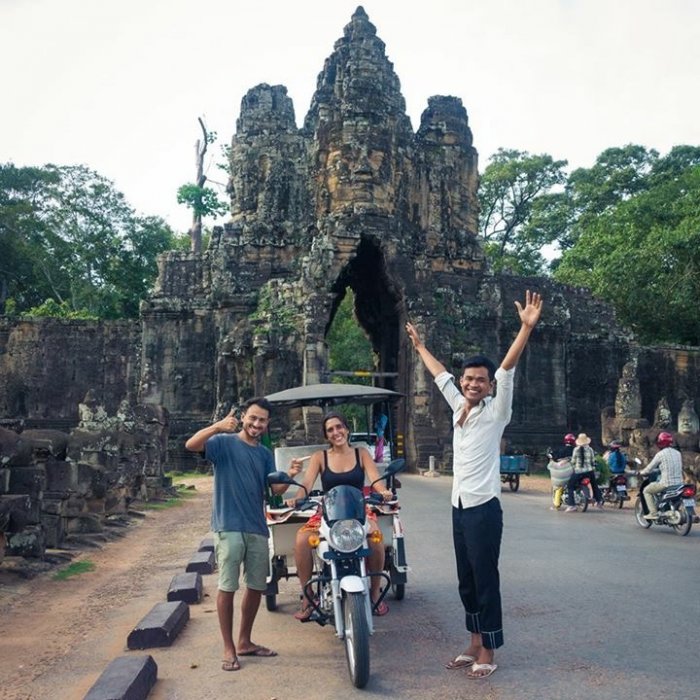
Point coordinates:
[(48, 365)]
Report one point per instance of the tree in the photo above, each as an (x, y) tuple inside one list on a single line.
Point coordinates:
[(636, 241), (618, 174), (67, 234), (202, 200), (520, 209)]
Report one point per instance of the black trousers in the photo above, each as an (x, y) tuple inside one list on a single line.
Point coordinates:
[(477, 536)]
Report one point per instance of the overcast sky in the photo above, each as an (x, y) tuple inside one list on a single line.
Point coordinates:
[(118, 85)]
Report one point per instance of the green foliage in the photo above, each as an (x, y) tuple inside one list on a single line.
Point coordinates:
[(52, 309), (520, 209), (202, 200), (635, 240), (349, 347), (350, 350), (66, 234), (74, 569)]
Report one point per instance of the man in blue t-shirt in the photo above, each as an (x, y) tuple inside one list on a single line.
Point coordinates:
[(241, 465)]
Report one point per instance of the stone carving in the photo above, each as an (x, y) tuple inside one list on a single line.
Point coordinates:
[(357, 199), (628, 400), (688, 423), (54, 485), (662, 415)]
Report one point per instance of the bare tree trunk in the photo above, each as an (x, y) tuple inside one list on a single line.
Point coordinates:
[(196, 230)]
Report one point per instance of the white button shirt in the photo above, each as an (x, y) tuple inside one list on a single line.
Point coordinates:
[(477, 442)]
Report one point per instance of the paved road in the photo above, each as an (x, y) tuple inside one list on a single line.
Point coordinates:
[(576, 588)]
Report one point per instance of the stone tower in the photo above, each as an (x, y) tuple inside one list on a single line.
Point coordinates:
[(356, 199)]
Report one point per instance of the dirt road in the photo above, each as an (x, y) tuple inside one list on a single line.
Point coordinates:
[(56, 637)]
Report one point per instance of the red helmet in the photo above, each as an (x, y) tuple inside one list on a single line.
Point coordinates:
[(569, 439), (664, 440)]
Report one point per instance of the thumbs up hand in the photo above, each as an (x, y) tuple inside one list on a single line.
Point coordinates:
[(229, 423)]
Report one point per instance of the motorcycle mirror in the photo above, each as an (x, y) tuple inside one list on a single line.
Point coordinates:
[(279, 478), (395, 466)]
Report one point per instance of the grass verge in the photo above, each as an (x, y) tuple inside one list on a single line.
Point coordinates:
[(74, 569)]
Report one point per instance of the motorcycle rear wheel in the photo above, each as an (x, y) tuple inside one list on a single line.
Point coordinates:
[(581, 499), (639, 515), (356, 638), (683, 528)]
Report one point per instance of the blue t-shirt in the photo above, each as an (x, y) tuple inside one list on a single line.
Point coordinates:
[(617, 461), (240, 480)]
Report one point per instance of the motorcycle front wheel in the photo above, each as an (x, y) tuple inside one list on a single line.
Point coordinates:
[(639, 515), (356, 638)]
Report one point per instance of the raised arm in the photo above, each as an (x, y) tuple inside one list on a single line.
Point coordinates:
[(529, 316), (432, 364), (225, 425)]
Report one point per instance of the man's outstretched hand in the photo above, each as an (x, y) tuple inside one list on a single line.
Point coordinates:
[(530, 313)]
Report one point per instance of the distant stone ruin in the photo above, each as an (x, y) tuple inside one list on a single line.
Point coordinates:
[(54, 485), (354, 199)]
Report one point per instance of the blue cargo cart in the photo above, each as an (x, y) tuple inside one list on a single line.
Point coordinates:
[(512, 466)]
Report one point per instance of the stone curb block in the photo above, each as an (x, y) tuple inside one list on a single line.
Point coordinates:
[(126, 678), (206, 545), (186, 587), (202, 562), (160, 627)]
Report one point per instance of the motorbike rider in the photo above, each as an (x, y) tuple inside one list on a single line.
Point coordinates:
[(566, 450), (560, 469), (616, 458), (583, 462), (668, 461), (340, 464)]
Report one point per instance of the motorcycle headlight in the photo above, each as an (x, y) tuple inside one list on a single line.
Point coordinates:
[(346, 535)]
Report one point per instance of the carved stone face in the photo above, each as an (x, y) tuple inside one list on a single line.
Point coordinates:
[(688, 423), (353, 176)]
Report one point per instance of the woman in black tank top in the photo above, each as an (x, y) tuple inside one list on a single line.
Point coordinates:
[(340, 464)]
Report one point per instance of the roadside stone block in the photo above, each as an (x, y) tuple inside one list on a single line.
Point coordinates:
[(186, 587), (206, 545), (202, 562), (126, 678), (160, 627)]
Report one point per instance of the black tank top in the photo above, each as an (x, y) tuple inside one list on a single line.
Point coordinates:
[(355, 477)]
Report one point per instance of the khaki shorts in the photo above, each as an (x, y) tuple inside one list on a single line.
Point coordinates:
[(236, 548)]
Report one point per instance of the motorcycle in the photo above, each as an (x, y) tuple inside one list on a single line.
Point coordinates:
[(582, 495), (616, 490), (339, 589), (676, 506)]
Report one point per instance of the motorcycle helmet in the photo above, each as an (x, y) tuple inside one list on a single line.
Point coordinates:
[(664, 440), (615, 445), (569, 439)]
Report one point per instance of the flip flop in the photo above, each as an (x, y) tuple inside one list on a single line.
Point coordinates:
[(230, 664), (258, 651), (461, 661), (488, 668), (304, 614)]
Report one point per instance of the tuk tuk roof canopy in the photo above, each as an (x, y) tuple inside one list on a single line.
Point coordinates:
[(331, 395)]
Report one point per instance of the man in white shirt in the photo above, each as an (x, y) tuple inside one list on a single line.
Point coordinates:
[(478, 421), (669, 462)]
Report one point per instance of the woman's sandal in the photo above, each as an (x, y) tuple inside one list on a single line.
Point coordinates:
[(304, 614)]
